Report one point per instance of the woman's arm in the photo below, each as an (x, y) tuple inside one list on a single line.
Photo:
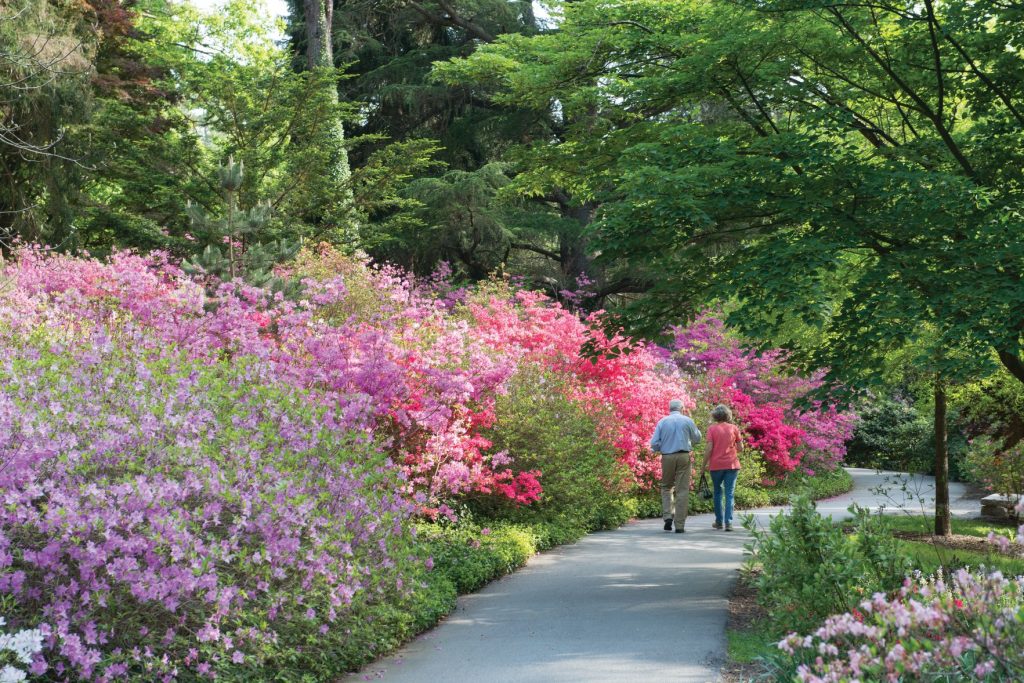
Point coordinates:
[(707, 452)]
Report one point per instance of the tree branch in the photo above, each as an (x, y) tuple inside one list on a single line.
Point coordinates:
[(453, 18), (1013, 363), (937, 122), (525, 246)]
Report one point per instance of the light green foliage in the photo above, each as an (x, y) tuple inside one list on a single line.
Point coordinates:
[(811, 568), (175, 94), (541, 429), (468, 555)]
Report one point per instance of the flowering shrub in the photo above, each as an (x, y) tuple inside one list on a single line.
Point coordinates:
[(548, 432), (387, 356), (767, 397), (626, 386), (811, 568), (230, 507), (996, 468), (966, 629)]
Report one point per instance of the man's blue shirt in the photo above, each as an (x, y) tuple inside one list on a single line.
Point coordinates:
[(675, 432)]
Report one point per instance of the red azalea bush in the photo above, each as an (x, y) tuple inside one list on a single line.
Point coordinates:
[(625, 386)]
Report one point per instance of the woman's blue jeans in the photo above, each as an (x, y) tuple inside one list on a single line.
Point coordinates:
[(723, 479)]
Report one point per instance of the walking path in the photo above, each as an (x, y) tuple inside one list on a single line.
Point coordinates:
[(633, 604)]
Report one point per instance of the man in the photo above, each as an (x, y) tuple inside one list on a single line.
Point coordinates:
[(674, 437)]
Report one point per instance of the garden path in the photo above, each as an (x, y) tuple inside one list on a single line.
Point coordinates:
[(633, 604)]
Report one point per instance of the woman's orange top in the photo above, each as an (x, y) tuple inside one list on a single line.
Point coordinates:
[(725, 442)]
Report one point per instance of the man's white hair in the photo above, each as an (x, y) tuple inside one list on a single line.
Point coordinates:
[(675, 404)]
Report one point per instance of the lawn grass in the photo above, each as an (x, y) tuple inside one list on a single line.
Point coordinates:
[(929, 558), (745, 646), (967, 527)]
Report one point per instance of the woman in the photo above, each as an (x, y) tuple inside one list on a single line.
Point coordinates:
[(722, 459)]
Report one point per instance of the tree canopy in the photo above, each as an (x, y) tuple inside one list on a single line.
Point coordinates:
[(853, 166)]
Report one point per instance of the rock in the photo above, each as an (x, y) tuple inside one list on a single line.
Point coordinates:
[(999, 506)]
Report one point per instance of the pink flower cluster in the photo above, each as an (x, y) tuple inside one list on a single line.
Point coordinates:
[(966, 629), (767, 396), (403, 371), (1002, 540)]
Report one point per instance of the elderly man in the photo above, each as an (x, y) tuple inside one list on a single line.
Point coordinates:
[(674, 437)]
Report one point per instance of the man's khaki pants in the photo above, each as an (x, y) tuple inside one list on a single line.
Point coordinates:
[(675, 479)]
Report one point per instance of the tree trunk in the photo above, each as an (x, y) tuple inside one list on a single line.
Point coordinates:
[(340, 214), (318, 33), (942, 521)]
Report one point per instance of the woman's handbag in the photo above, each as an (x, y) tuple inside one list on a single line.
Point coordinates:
[(703, 488)]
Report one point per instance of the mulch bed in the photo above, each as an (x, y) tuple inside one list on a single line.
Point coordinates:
[(959, 542), (744, 612)]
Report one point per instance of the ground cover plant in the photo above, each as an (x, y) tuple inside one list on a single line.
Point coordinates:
[(212, 479)]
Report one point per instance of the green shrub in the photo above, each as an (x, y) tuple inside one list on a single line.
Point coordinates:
[(892, 435), (811, 568), (469, 555), (541, 429)]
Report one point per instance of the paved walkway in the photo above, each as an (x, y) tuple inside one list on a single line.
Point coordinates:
[(633, 604)]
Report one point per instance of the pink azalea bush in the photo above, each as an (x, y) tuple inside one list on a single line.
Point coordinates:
[(966, 629), (768, 397), (393, 362)]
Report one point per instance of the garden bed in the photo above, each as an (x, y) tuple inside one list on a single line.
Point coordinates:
[(750, 631)]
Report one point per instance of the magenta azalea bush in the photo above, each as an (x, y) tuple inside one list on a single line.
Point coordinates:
[(766, 395), (969, 628)]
